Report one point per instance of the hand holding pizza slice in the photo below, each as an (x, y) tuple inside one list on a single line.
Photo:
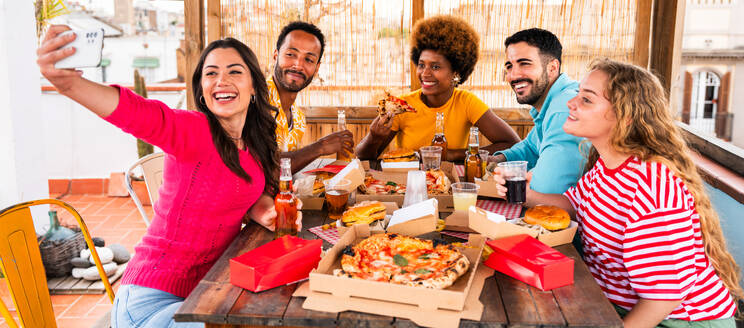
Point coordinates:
[(393, 104)]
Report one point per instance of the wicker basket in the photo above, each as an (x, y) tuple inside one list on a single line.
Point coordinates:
[(56, 255)]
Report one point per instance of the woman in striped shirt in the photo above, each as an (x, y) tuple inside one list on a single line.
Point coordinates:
[(651, 238)]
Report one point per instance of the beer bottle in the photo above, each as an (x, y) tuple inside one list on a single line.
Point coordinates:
[(285, 203), (439, 139), (343, 155), (472, 158)]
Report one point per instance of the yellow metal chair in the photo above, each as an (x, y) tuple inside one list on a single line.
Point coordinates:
[(152, 170), (20, 261)]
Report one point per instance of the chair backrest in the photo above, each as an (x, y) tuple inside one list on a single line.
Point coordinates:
[(20, 260), (152, 168)]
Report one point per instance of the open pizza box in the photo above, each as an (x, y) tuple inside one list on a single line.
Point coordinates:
[(485, 187), (445, 201), (354, 171), (424, 306), (495, 226), (399, 167), (377, 226)]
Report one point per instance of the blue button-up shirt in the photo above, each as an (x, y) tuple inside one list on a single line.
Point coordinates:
[(552, 155)]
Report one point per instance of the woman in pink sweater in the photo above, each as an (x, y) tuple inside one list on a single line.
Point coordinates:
[(220, 163)]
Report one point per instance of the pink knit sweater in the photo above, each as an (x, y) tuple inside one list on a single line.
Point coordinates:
[(201, 201)]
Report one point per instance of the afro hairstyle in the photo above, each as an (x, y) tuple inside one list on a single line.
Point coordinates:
[(451, 37)]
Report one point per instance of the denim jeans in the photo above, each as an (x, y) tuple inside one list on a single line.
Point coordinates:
[(137, 306)]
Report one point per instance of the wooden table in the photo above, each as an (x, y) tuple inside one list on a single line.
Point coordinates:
[(507, 302)]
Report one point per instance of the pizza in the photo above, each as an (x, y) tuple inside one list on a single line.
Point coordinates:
[(372, 186), (437, 182), (403, 260), (393, 104)]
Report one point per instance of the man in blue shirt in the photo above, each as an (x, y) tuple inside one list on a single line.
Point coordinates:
[(533, 62)]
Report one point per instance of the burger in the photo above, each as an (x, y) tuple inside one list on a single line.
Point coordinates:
[(365, 212), (400, 155), (548, 216)]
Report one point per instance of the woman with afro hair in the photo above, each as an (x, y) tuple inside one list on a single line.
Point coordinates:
[(444, 50)]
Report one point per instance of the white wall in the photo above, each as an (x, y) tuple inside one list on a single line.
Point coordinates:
[(22, 162), (82, 145), (737, 105)]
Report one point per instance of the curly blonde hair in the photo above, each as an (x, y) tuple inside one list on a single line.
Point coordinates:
[(451, 37), (637, 96)]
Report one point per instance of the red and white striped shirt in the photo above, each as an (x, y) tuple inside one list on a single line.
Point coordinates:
[(641, 237)]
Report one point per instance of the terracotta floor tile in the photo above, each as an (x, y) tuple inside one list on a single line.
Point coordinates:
[(98, 311), (81, 307), (64, 299), (75, 322)]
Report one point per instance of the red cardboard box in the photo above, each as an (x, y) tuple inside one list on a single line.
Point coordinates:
[(529, 260), (275, 263)]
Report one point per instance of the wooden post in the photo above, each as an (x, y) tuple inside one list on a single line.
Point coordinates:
[(642, 32), (193, 11), (666, 42), (417, 12), (214, 19)]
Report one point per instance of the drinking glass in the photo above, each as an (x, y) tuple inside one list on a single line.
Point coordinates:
[(464, 194), (516, 182), (431, 157), (336, 197), (484, 160)]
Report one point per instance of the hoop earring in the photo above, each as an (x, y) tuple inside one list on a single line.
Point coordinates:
[(201, 100), (253, 98)]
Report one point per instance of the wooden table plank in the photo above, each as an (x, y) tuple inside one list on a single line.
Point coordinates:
[(573, 299), (296, 316), (202, 304), (354, 319), (494, 314), (265, 308)]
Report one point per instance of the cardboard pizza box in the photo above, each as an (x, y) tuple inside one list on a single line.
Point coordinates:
[(458, 221), (534, 263), (445, 202), (353, 171), (493, 227), (416, 219), (399, 167), (426, 317), (377, 226), (453, 298)]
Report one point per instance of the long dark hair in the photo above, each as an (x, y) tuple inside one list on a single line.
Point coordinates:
[(259, 130)]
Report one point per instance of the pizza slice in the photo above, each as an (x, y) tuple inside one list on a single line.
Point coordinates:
[(393, 104), (437, 182)]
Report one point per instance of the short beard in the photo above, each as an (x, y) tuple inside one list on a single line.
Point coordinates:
[(279, 78), (539, 88)]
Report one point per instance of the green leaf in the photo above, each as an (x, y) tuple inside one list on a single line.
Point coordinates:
[(421, 271), (390, 183), (400, 260)]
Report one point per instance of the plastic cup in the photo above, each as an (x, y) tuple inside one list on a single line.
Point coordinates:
[(337, 197), (515, 173), (415, 188), (431, 157), (464, 194)]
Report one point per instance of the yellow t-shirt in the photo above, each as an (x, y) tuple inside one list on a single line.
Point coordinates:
[(287, 138), (416, 130)]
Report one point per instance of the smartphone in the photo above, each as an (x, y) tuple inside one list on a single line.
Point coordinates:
[(88, 45)]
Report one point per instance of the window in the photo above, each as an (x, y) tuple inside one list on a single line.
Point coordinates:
[(705, 88)]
